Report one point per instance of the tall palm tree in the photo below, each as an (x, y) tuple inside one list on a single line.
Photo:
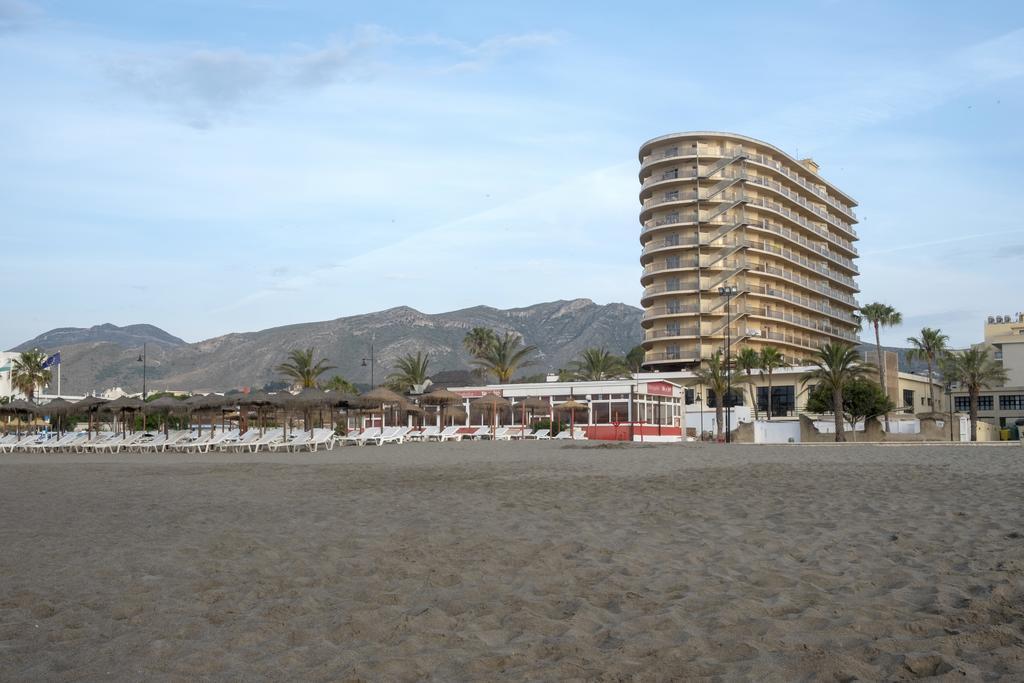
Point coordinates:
[(28, 373), (635, 359), (835, 365), (410, 371), (712, 374), (881, 315), (478, 340), (506, 355), (748, 360), (339, 383), (930, 347), (301, 369), (771, 360), (597, 364), (974, 369)]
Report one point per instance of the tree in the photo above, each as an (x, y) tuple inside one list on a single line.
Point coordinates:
[(930, 347), (863, 399), (712, 374), (301, 369), (28, 373), (339, 383), (635, 359), (771, 360), (881, 315), (478, 340), (597, 364), (411, 371), (748, 360), (974, 370), (836, 365), (506, 355)]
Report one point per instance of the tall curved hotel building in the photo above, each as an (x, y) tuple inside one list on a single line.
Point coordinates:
[(722, 211)]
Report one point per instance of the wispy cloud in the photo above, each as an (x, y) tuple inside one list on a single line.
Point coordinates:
[(16, 15), (933, 243), (201, 84)]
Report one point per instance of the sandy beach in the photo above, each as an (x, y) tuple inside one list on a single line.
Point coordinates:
[(518, 561)]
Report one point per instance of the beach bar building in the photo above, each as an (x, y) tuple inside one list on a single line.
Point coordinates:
[(614, 409)]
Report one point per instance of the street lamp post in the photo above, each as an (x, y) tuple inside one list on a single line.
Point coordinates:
[(371, 360), (142, 359), (728, 291), (949, 402), (700, 405)]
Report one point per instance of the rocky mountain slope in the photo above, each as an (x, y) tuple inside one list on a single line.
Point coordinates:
[(106, 355)]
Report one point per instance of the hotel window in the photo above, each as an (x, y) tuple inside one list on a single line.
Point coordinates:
[(689, 396), (672, 240), (671, 195), (672, 284), (672, 330), (908, 399), (669, 175), (672, 351), (672, 217), (734, 398), (783, 400), (670, 152), (672, 306), (672, 262), (1011, 402), (962, 404)]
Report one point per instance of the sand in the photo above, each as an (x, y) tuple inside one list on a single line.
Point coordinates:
[(518, 561)]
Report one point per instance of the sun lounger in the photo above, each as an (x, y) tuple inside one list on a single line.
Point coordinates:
[(520, 432), (40, 443), (20, 444), (448, 434), (236, 444), (425, 434), (391, 435), (322, 437), (65, 443), (117, 445), (480, 433), (501, 434), (294, 442), (539, 434), (97, 438), (271, 436), (360, 438)]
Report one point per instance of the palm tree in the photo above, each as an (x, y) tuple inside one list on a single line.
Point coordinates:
[(410, 371), (713, 376), (505, 356), (339, 383), (301, 369), (635, 359), (974, 369), (931, 347), (597, 364), (835, 366), (771, 360), (28, 373), (881, 315), (749, 360), (478, 340)]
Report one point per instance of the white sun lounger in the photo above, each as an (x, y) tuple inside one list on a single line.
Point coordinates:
[(480, 433), (294, 442), (424, 434), (322, 436), (271, 436), (90, 444), (40, 443), (539, 434), (500, 434), (449, 434), (64, 443), (237, 444), (392, 435)]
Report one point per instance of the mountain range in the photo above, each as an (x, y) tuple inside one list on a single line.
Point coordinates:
[(104, 356)]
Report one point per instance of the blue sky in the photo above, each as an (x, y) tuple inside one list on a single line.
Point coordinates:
[(226, 166)]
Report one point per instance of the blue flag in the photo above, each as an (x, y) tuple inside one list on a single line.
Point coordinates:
[(52, 360)]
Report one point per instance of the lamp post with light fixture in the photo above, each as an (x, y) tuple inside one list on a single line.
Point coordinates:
[(728, 291), (142, 359)]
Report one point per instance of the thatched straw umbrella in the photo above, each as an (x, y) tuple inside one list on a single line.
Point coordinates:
[(91, 405), (18, 408), (58, 408), (258, 400), (442, 398), (306, 400), (494, 402), (165, 405), (382, 396), (125, 404), (457, 413), (531, 405), (572, 405)]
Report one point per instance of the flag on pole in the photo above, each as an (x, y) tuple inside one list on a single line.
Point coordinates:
[(52, 360)]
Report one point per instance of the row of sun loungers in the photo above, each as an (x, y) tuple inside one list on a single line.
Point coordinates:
[(252, 441)]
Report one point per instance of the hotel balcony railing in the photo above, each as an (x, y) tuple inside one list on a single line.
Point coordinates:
[(803, 322), (688, 286), (764, 160), (688, 353), (681, 309), (815, 304), (651, 335), (707, 262), (805, 262), (800, 220), (804, 282), (655, 245)]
